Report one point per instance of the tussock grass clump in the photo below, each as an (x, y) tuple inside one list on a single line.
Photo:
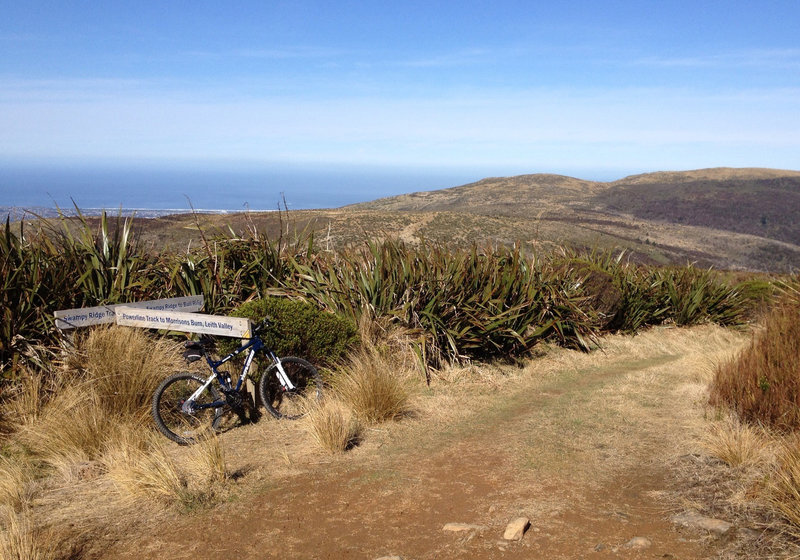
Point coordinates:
[(24, 403), (68, 417), (144, 470), (332, 425), (15, 484), (371, 387), (782, 491), (21, 541), (738, 444), (762, 384), (125, 365), (72, 428), (206, 463), (395, 342)]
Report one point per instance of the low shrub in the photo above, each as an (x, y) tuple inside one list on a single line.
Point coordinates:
[(299, 329), (762, 383)]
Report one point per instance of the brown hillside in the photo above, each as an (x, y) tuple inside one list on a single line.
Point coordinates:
[(763, 203)]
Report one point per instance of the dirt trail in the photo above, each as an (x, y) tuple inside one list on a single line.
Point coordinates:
[(582, 445)]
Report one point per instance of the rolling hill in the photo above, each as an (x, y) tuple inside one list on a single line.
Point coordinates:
[(725, 217)]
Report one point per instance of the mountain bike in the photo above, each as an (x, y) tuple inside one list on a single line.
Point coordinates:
[(186, 405)]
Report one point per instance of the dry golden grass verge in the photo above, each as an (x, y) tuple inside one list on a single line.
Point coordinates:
[(144, 471), (206, 463), (124, 366), (15, 484), (372, 387), (20, 541), (782, 490), (25, 405), (739, 444), (332, 425), (107, 381)]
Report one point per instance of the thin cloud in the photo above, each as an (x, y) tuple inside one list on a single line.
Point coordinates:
[(457, 58), (283, 53), (770, 58)]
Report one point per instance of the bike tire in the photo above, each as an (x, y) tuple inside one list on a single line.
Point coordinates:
[(290, 404), (170, 418)]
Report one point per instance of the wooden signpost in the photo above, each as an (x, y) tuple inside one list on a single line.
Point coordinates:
[(87, 316), (172, 314), (216, 325)]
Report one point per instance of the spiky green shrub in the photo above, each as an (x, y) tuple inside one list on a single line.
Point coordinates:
[(695, 296), (458, 303), (33, 279), (464, 303), (111, 268), (227, 271), (762, 383), (300, 329)]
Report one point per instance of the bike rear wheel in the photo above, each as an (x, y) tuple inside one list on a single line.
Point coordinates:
[(172, 421), (290, 404)]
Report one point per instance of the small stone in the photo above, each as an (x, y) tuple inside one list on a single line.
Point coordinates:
[(748, 533), (390, 558), (516, 529), (638, 543), (692, 519), (462, 527), (600, 547), (89, 470)]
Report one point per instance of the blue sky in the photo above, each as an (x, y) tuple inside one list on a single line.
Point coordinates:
[(511, 87)]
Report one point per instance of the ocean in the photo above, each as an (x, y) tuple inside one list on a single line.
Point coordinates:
[(213, 188)]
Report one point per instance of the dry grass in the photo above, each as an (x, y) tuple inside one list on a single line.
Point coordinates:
[(16, 484), (371, 387), (125, 365), (20, 541), (394, 342), (145, 470), (25, 405), (69, 417), (739, 444), (332, 425), (205, 463), (782, 490), (72, 428), (762, 384)]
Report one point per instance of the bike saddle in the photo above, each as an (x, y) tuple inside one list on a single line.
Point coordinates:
[(195, 349)]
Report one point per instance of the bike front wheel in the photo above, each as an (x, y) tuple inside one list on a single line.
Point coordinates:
[(172, 420), (290, 403)]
